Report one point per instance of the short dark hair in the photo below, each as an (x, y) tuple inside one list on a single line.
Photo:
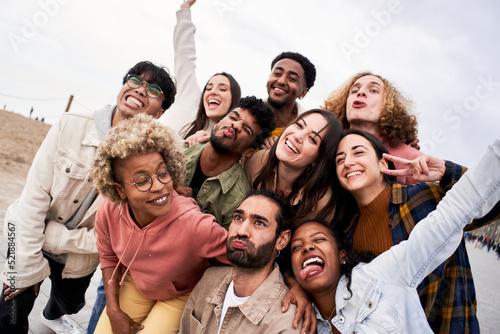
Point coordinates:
[(379, 148), (309, 68), (263, 115), (284, 216), (159, 76)]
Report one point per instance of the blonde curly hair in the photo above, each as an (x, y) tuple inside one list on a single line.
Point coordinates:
[(140, 134), (397, 124)]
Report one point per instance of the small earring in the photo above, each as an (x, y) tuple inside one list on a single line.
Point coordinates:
[(279, 253), (343, 261), (121, 208)]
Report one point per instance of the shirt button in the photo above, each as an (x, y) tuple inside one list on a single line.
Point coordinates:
[(75, 201), (341, 320), (68, 170), (369, 304)]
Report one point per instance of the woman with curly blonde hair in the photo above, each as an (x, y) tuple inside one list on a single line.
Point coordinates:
[(370, 103), (146, 230)]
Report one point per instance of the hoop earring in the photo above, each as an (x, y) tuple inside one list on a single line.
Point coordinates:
[(309, 170), (279, 253)]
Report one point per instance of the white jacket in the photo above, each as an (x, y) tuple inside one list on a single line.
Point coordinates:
[(187, 99), (57, 183), (385, 299)]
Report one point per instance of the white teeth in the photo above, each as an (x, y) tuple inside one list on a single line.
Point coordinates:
[(289, 144), (312, 260), (214, 101), (160, 200), (279, 89), (354, 174), (134, 101)]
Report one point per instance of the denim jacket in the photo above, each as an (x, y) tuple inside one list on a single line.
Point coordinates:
[(384, 297)]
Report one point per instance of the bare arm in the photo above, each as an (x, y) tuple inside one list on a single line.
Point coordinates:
[(120, 321)]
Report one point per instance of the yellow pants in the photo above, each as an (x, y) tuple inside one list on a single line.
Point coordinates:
[(157, 316)]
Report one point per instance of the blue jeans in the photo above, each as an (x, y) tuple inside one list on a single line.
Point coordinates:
[(100, 303)]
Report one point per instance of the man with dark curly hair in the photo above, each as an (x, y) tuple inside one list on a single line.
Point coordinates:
[(292, 75), (213, 175), (53, 220)]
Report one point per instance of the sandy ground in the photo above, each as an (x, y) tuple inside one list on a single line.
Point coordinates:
[(20, 138)]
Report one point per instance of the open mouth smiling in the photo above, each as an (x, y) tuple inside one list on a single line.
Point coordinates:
[(312, 266), (135, 101), (353, 174), (289, 144)]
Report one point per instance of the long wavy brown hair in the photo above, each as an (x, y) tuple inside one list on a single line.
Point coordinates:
[(397, 124), (315, 184)]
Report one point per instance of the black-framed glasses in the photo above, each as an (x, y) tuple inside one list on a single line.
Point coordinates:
[(135, 81), (144, 182)]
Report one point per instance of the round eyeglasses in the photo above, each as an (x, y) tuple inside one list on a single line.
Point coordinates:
[(144, 182), (135, 81)]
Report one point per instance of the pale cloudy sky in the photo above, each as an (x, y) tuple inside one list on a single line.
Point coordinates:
[(443, 54)]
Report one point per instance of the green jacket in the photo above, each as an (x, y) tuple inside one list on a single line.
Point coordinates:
[(219, 195)]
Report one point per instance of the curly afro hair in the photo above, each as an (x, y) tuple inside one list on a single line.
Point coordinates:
[(137, 135)]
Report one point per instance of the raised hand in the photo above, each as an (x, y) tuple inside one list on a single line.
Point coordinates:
[(187, 3), (424, 168)]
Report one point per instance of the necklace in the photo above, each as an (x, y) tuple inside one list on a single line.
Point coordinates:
[(330, 321)]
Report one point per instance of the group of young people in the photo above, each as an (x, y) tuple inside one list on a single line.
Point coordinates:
[(263, 218)]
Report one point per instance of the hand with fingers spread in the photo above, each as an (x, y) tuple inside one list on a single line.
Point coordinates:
[(424, 168)]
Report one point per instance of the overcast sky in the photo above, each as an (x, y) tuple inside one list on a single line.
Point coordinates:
[(442, 54)]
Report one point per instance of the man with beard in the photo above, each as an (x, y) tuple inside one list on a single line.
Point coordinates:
[(213, 175), (292, 75), (246, 298)]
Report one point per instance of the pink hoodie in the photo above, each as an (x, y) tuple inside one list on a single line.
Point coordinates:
[(165, 258)]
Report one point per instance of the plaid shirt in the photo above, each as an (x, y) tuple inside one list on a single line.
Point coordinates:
[(447, 294)]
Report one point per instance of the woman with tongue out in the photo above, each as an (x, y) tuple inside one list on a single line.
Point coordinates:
[(353, 295), (195, 109), (371, 103), (145, 230)]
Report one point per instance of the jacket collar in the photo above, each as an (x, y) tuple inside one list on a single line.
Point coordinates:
[(260, 302)]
